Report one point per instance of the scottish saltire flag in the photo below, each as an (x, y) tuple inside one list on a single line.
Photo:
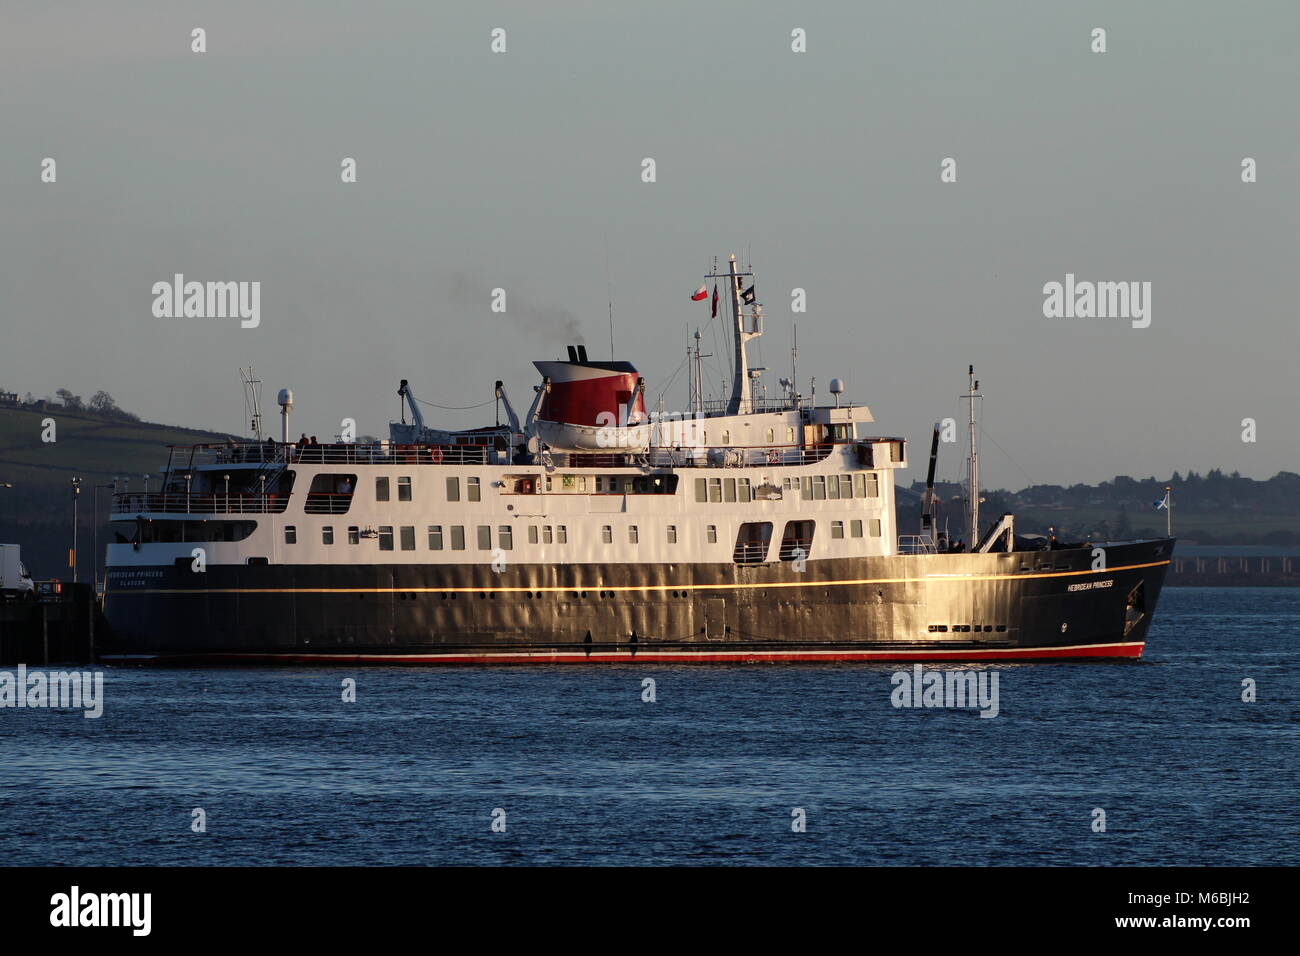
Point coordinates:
[(1163, 502)]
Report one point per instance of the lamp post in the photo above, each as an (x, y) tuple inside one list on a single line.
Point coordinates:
[(227, 506), (76, 495)]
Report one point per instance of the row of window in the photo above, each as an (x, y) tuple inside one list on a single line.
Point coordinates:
[(473, 489), (769, 437), (855, 528), (811, 487), (440, 537), (537, 534), (707, 490), (822, 487)]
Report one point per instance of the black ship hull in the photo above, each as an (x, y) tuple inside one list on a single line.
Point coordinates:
[(955, 607)]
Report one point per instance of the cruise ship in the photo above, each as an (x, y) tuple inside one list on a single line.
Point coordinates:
[(591, 529)]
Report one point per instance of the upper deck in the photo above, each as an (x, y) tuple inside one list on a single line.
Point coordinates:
[(260, 478)]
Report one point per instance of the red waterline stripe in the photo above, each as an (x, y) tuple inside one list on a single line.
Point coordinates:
[(1124, 650)]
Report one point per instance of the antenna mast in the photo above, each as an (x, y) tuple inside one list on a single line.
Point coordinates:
[(794, 368), (974, 503), (252, 401)]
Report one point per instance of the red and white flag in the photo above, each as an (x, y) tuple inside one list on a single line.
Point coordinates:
[(701, 294)]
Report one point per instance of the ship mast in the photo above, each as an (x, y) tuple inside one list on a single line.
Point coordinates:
[(973, 515), (252, 401), (741, 401), (696, 371)]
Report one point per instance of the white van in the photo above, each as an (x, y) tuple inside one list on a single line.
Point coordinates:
[(15, 582)]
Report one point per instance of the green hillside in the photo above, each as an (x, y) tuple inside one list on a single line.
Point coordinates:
[(37, 511)]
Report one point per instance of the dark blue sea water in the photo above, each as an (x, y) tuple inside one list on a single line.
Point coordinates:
[(587, 773)]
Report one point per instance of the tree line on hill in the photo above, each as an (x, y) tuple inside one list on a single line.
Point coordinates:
[(101, 404), (1131, 505)]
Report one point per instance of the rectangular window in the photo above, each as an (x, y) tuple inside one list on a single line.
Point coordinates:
[(485, 537), (472, 489), (672, 534), (506, 538), (832, 486), (743, 489), (711, 534), (701, 489), (846, 486), (715, 490), (408, 537), (729, 489), (549, 486), (819, 487), (532, 534), (381, 489), (458, 537), (873, 527), (855, 528), (561, 534), (435, 537), (805, 487), (607, 534), (837, 529), (546, 534), (327, 534), (290, 534), (859, 485), (633, 536), (453, 489), (386, 537), (873, 485), (404, 489), (354, 534)]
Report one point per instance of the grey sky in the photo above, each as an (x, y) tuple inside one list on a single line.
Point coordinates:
[(522, 171)]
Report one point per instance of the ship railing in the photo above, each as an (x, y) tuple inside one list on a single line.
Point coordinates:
[(328, 502), (792, 549), (916, 544), (758, 406), (660, 457), (737, 457), (133, 503), (342, 453), (753, 552)]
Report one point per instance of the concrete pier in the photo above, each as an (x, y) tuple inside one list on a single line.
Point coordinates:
[(59, 630)]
